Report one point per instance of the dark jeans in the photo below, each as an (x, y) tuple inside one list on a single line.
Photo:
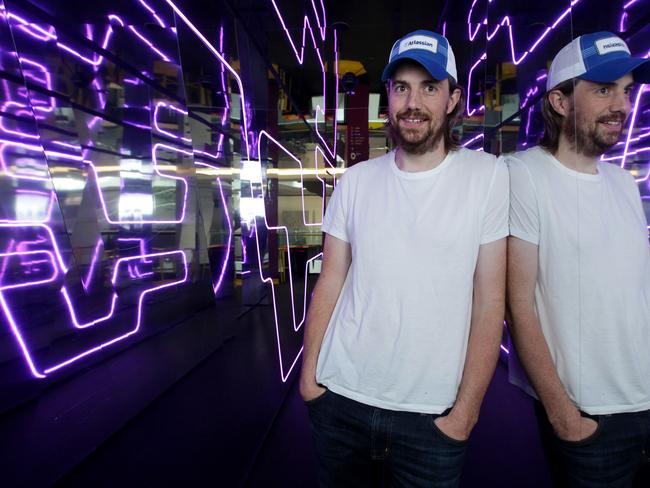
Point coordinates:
[(609, 458), (353, 439)]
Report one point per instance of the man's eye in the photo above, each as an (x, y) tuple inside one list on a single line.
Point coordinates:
[(603, 90), (400, 88), (430, 88)]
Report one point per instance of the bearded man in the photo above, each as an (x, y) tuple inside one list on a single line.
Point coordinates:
[(404, 327), (579, 271)]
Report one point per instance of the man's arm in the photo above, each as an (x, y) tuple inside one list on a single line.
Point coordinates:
[(337, 256), (532, 347), (484, 340)]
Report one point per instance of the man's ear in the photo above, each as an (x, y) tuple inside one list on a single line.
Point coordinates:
[(454, 98), (560, 102)]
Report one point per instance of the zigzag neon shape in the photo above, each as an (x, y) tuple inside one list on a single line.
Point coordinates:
[(216, 286), (506, 21), (296, 324), (283, 374), (72, 157), (322, 28), (40, 34), (226, 112), (56, 258)]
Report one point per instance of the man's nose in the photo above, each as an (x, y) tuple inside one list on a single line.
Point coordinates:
[(415, 99), (621, 103)]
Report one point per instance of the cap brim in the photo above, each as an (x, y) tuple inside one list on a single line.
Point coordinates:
[(434, 69), (617, 68)]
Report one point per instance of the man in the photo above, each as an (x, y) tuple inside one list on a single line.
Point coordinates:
[(404, 326), (579, 270)]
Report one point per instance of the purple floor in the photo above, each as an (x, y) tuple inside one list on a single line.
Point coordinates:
[(232, 423)]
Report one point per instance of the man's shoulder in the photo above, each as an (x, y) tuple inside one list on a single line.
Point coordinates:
[(470, 156), (615, 172), (529, 157), (476, 164), (368, 167)]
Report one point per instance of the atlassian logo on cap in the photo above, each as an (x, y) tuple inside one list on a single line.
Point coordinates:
[(419, 42), (611, 44)]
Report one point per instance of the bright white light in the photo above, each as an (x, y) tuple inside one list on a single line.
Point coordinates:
[(30, 207), (251, 171), (134, 206), (68, 183), (249, 208)]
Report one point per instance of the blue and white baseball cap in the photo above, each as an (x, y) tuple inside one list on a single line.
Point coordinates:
[(427, 48), (600, 57)]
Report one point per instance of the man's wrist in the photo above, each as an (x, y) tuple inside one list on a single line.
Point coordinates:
[(564, 417), (464, 416)]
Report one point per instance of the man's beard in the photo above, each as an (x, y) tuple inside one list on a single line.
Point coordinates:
[(409, 140), (585, 138)]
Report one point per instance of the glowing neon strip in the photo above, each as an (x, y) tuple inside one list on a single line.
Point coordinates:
[(269, 280), (621, 24), (224, 265), (35, 106), (51, 260), (301, 55), (86, 283), (74, 147), (162, 131), (3, 268), (220, 57), (153, 13), (631, 153), (138, 320), (632, 121), (150, 44), (21, 342), (49, 231), (46, 81), (50, 36), (18, 336), (506, 21), (85, 325), (5, 168), (159, 173), (224, 90), (284, 375), (142, 245), (471, 112), (475, 138)]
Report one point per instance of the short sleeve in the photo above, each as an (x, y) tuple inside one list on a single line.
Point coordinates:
[(524, 209), (335, 220), (495, 219)]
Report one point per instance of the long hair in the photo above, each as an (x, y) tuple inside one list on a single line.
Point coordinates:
[(552, 120), (451, 140)]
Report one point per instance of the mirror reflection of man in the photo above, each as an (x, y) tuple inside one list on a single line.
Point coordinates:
[(404, 326), (579, 270)]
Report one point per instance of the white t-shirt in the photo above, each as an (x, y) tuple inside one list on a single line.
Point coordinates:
[(398, 334), (593, 284)]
